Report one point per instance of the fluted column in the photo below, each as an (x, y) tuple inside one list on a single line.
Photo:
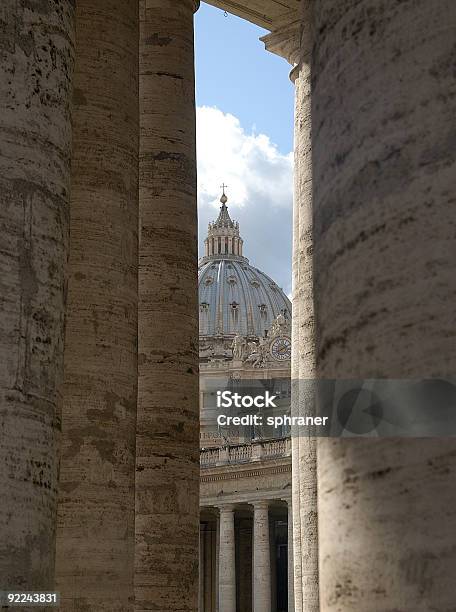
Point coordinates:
[(261, 558), (167, 469), (383, 106), (95, 538), (227, 564), (36, 71)]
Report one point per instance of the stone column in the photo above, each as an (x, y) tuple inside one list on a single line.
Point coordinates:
[(167, 469), (201, 566), (383, 107), (227, 563), (261, 558), (36, 70), (293, 41), (217, 562), (95, 537), (291, 606)]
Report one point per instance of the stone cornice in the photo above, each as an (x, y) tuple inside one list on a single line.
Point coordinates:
[(238, 8), (248, 497), (291, 38), (244, 474), (285, 39)]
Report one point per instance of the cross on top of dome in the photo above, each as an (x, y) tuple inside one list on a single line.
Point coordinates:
[(224, 219), (223, 199)]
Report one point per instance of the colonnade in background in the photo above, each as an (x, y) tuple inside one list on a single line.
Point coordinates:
[(246, 557)]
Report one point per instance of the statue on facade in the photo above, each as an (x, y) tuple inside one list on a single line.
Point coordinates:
[(238, 347), (257, 353), (280, 327)]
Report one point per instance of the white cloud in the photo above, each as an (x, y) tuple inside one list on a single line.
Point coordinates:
[(260, 189)]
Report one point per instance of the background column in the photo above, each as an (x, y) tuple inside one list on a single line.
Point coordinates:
[(95, 539), (36, 69), (227, 566), (291, 606), (293, 41), (261, 558), (383, 108), (202, 566), (167, 468)]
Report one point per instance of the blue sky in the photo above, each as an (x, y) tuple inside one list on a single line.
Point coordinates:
[(245, 137), (236, 74)]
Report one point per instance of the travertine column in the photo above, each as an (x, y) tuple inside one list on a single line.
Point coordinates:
[(227, 564), (291, 606), (217, 562), (36, 69), (201, 565), (383, 106), (293, 41), (305, 476), (95, 538), (167, 470), (261, 558)]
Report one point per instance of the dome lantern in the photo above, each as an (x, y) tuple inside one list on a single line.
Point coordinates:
[(223, 238)]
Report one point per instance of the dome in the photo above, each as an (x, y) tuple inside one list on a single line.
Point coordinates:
[(234, 296)]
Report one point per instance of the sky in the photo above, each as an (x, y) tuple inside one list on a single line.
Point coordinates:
[(245, 138)]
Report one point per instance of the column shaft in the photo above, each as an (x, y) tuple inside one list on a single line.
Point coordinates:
[(293, 41), (217, 563), (36, 70), (227, 563), (291, 606), (261, 559), (201, 566), (305, 458), (385, 271), (95, 538), (167, 471)]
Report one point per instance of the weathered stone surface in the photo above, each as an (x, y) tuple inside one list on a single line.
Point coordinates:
[(36, 66), (167, 468), (95, 539), (305, 468), (305, 529), (261, 558), (227, 566), (291, 606), (383, 112)]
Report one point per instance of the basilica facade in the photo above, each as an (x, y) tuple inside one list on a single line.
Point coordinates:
[(245, 492)]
